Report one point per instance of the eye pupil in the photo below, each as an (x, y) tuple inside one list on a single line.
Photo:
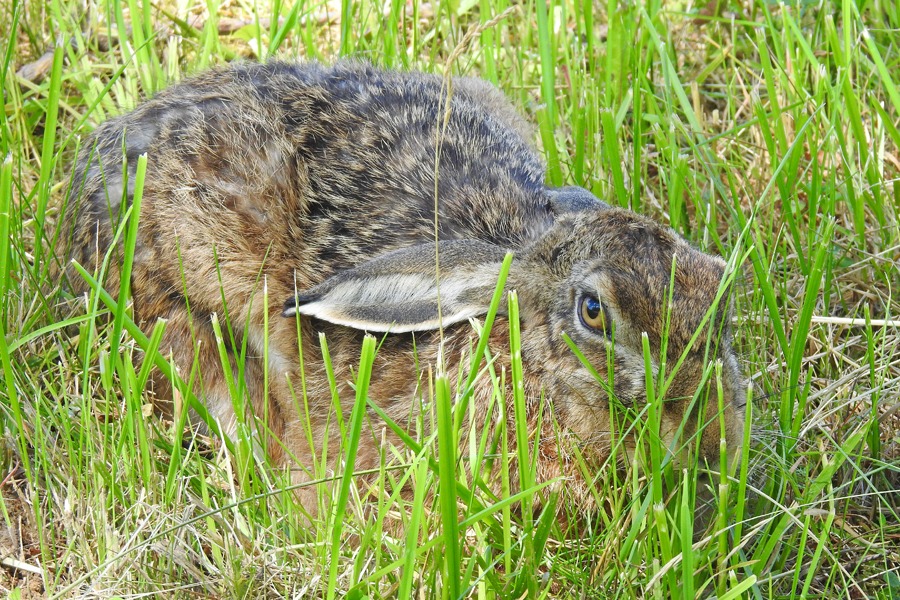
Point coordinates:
[(593, 307)]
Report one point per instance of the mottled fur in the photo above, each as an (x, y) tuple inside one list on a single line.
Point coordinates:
[(301, 174)]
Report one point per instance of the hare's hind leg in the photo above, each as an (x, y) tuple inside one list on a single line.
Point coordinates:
[(245, 400), (189, 344)]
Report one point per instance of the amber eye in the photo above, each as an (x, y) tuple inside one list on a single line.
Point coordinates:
[(593, 314)]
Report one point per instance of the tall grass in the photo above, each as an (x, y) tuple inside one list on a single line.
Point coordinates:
[(760, 131)]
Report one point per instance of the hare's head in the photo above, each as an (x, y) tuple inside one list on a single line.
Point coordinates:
[(631, 295)]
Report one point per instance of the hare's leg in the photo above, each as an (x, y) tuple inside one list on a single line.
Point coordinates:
[(190, 346), (271, 411)]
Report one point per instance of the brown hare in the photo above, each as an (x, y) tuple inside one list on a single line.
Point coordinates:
[(320, 183)]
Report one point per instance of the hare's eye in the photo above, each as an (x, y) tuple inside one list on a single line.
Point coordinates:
[(593, 314)]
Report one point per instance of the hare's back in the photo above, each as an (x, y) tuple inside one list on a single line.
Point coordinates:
[(316, 167)]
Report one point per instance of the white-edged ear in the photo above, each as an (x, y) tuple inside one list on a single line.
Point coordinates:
[(398, 293)]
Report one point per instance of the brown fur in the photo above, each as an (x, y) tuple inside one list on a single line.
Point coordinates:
[(297, 175)]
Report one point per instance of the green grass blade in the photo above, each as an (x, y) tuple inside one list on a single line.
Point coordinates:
[(613, 158), (483, 338), (6, 242), (131, 233), (792, 417), (447, 442), (48, 157), (366, 359)]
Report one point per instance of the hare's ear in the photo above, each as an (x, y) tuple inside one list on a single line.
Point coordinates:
[(572, 198), (397, 292)]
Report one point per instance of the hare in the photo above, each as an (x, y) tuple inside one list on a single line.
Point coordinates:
[(313, 187)]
